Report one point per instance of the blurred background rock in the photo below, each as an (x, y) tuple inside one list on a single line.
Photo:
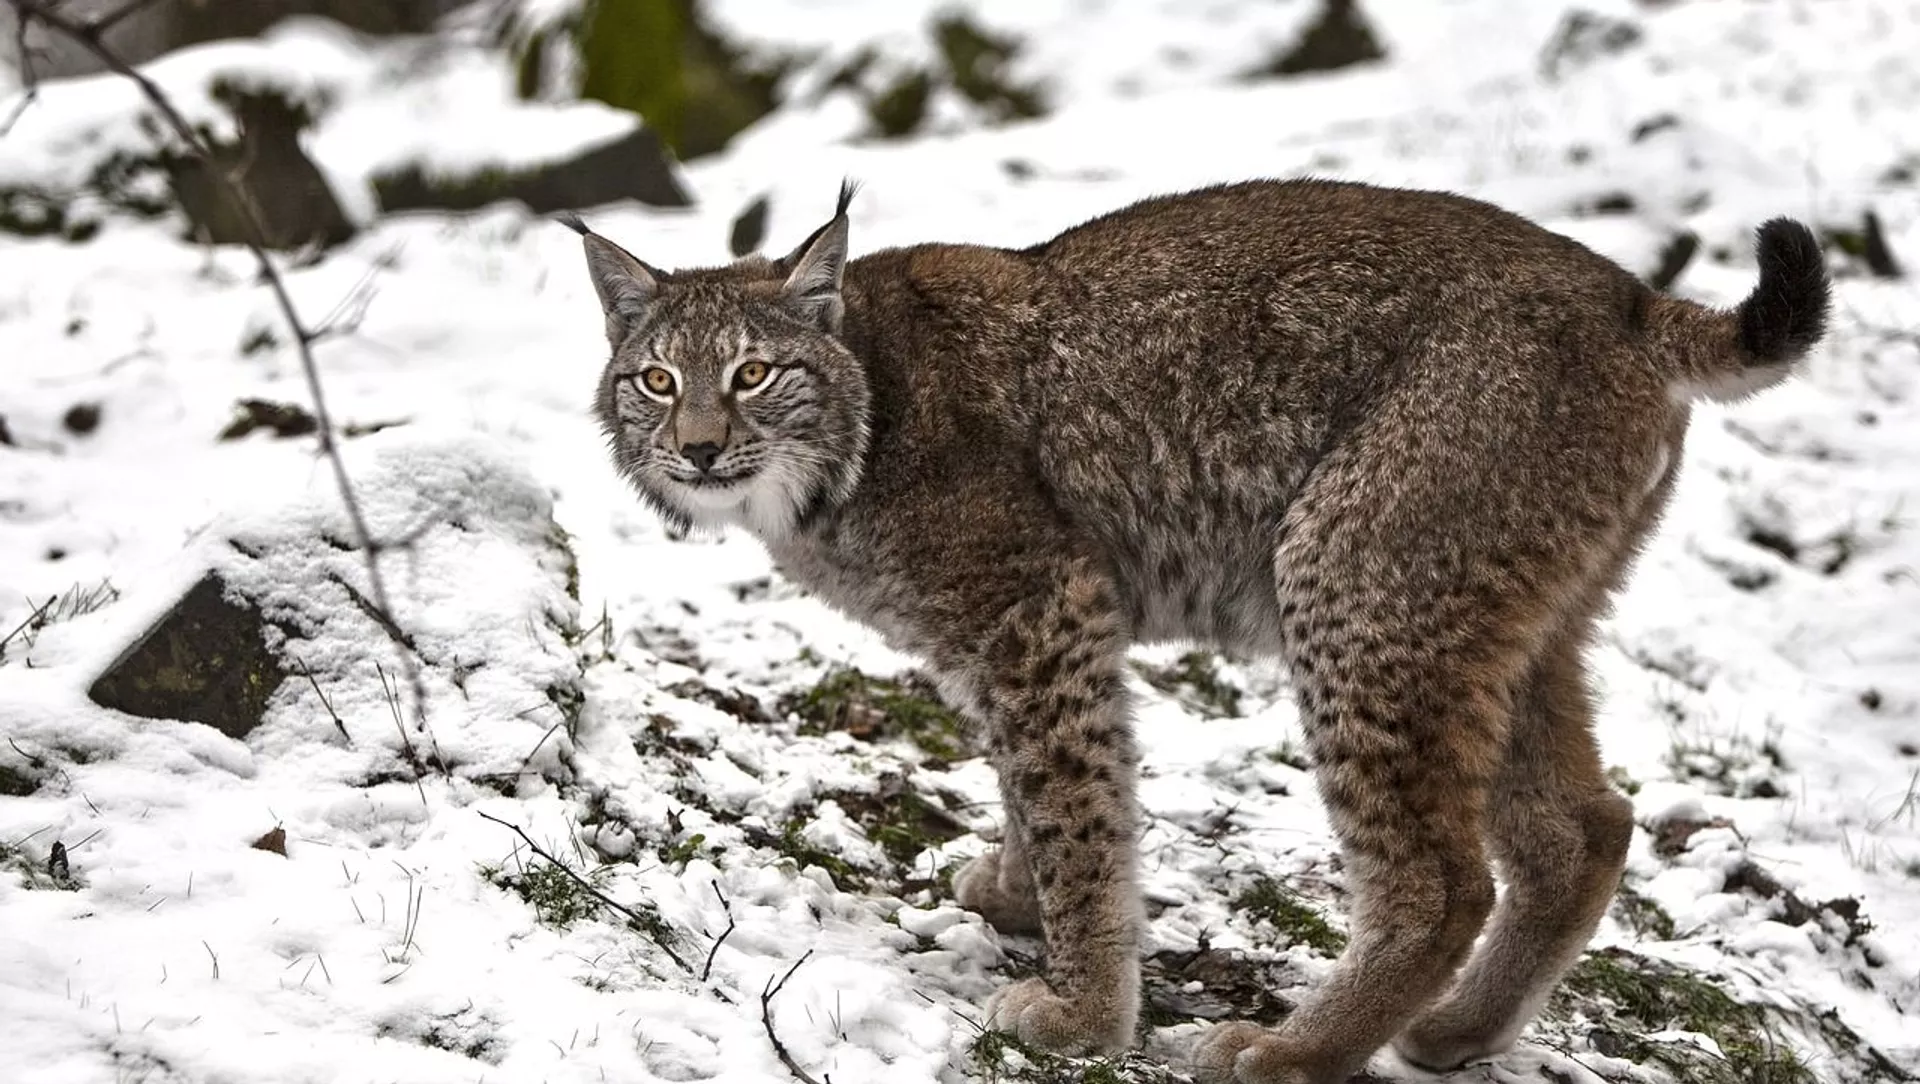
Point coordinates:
[(645, 84)]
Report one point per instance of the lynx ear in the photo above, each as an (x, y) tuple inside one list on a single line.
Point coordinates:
[(813, 280), (626, 285)]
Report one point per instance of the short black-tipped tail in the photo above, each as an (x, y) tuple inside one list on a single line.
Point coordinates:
[(1786, 314)]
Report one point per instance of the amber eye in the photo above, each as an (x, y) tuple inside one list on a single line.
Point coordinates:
[(658, 381), (750, 375)]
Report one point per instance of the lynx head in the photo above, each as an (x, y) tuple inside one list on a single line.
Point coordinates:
[(729, 398)]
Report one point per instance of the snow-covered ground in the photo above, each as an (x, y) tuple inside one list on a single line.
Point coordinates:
[(657, 725)]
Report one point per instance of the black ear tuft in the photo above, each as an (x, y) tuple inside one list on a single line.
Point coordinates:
[(848, 189), (572, 222)]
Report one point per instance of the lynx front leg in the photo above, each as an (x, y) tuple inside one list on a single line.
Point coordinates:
[(1062, 744)]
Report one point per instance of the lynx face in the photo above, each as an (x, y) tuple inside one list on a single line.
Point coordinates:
[(728, 399)]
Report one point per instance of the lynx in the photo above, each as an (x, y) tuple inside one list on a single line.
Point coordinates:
[(1404, 441)]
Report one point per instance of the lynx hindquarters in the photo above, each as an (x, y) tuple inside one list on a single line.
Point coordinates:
[(1438, 590), (1419, 569)]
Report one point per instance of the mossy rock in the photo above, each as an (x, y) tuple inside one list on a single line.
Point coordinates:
[(1339, 38), (18, 782), (663, 60), (976, 63), (205, 661), (289, 197), (635, 166)]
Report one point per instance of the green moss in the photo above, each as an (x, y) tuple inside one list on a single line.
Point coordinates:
[(556, 897), (1194, 679), (1291, 755), (793, 844), (1618, 776), (1291, 915), (1642, 915), (1652, 996), (878, 709), (688, 849), (903, 829), (1000, 1058), (559, 899), (900, 821)]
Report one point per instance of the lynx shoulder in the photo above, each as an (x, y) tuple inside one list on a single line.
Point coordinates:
[(1404, 442)]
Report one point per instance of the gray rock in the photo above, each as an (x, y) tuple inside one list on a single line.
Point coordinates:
[(288, 194), (206, 661), (635, 166)]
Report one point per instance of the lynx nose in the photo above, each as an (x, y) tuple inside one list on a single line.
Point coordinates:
[(702, 455)]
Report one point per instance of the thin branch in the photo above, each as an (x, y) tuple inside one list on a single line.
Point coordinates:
[(767, 995), (639, 921), (107, 22), (724, 934), (29, 79), (89, 35)]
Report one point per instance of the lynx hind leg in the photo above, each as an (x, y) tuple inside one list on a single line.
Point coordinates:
[(999, 884), (1406, 740), (1416, 591), (1061, 740), (1560, 835)]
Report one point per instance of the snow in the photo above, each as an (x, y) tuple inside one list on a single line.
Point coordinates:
[(1768, 696)]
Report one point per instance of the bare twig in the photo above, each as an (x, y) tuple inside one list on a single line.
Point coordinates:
[(724, 934), (29, 79), (767, 995), (338, 723), (90, 35), (639, 921), (106, 22)]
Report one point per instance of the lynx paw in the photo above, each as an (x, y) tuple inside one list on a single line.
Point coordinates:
[(1440, 1042), (1241, 1053), (1031, 1012), (980, 886)]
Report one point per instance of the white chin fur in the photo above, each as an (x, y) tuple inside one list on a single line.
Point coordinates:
[(765, 505)]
